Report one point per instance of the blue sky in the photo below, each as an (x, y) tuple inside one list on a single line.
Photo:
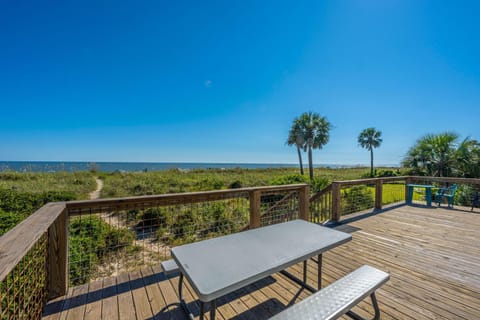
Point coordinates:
[(221, 81)]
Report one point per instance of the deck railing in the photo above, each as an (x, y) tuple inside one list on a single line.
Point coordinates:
[(68, 243), (33, 259), (344, 197), (112, 236)]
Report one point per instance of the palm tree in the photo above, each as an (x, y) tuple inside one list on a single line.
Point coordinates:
[(434, 154), (295, 137), (370, 138), (314, 131), (467, 159)]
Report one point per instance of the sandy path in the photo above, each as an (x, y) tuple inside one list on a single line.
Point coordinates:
[(96, 194), (152, 248)]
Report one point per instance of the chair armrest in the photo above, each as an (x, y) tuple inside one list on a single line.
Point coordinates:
[(442, 191)]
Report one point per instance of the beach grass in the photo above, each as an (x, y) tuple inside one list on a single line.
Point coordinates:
[(173, 181), (78, 183)]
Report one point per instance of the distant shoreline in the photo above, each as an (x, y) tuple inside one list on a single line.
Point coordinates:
[(70, 166)]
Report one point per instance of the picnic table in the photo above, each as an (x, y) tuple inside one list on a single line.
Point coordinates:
[(428, 192), (219, 266)]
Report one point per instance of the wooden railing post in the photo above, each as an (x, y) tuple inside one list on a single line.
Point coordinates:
[(336, 201), (304, 202), (378, 194), (255, 196), (408, 180), (57, 260)]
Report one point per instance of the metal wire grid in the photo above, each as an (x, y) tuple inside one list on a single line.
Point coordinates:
[(321, 208), (357, 198), (468, 195), (393, 193), (109, 241), (277, 207), (23, 292)]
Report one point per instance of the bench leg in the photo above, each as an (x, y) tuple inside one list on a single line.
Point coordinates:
[(319, 272), (355, 316), (305, 271)]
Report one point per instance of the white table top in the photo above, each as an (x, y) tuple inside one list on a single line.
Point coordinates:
[(218, 266)]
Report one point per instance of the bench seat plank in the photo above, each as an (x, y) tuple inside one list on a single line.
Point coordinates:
[(169, 267), (338, 298)]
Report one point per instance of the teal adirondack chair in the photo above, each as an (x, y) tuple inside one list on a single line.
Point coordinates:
[(447, 193)]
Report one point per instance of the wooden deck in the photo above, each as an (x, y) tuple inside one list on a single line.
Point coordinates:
[(432, 254)]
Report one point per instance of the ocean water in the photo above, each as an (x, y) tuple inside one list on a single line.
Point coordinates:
[(51, 166), (54, 166)]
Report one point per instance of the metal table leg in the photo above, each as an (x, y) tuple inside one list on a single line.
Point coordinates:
[(182, 300), (213, 308), (319, 272), (305, 271), (202, 310)]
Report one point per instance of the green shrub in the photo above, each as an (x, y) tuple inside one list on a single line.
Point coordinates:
[(91, 240), (387, 173), (184, 224), (83, 261), (289, 179), (319, 183), (28, 202), (8, 220), (220, 218), (464, 195), (237, 184), (78, 183), (117, 238), (16, 206), (153, 217), (210, 183)]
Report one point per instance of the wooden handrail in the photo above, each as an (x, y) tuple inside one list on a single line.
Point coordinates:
[(320, 193), (410, 178), (172, 198), (346, 183), (447, 179), (15, 244)]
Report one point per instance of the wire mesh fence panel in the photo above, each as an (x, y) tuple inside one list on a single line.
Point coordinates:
[(23, 292), (112, 240), (278, 207), (467, 195), (321, 208), (393, 192), (357, 198)]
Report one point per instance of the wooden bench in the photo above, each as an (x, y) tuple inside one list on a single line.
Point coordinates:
[(447, 193), (338, 298), (331, 302)]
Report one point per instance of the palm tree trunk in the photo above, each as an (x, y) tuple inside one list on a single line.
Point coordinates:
[(300, 160), (310, 162), (371, 163)]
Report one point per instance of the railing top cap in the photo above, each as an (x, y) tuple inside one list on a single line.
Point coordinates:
[(172, 196)]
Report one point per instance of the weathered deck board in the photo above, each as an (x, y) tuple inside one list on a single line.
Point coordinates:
[(432, 254)]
